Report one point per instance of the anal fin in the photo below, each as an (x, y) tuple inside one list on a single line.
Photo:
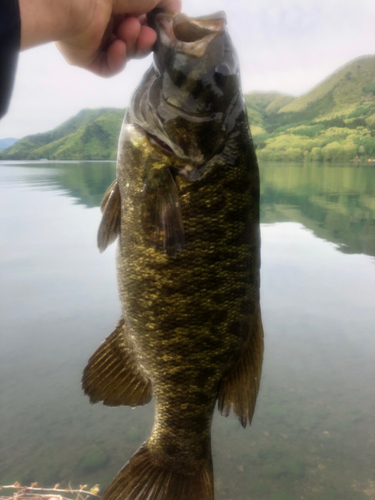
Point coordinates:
[(239, 387), (113, 376)]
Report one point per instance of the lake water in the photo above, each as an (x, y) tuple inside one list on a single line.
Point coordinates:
[(313, 433)]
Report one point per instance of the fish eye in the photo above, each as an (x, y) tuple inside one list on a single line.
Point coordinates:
[(222, 71)]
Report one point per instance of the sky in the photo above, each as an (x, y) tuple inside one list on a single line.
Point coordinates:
[(283, 45)]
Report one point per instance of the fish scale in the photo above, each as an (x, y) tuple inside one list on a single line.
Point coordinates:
[(188, 258), (199, 349)]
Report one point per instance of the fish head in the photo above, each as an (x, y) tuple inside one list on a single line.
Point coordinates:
[(189, 101)]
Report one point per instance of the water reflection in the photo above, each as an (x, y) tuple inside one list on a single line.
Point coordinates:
[(313, 433), (335, 201), (84, 181)]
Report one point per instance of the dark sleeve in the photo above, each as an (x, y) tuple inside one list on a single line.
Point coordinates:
[(10, 36)]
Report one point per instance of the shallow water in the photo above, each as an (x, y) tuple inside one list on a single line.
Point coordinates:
[(313, 433)]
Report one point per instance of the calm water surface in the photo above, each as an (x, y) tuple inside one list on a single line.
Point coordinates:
[(313, 433)]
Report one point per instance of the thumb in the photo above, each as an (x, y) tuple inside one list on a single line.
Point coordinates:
[(138, 7)]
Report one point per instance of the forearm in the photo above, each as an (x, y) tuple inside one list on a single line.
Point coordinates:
[(43, 21)]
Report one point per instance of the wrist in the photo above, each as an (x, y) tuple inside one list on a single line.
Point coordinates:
[(43, 21)]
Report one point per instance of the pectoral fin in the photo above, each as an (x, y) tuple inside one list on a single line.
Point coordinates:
[(161, 213), (239, 387), (110, 224), (112, 374)]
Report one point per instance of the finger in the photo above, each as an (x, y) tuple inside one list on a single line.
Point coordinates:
[(173, 6), (133, 6), (128, 31), (110, 62), (138, 7), (117, 55), (142, 19), (145, 42)]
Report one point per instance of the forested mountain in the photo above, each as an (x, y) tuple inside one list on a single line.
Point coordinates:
[(92, 134), (334, 121)]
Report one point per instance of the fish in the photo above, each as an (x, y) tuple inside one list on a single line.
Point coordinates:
[(184, 208)]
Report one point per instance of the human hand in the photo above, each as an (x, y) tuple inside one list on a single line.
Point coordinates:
[(99, 35), (109, 32)]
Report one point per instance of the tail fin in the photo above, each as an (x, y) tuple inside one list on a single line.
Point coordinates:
[(143, 479)]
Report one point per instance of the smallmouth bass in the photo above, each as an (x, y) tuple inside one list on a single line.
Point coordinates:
[(185, 209)]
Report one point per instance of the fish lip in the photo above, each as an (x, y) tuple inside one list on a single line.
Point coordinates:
[(204, 25), (185, 34)]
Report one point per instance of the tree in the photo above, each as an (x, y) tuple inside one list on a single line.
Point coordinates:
[(316, 154), (333, 152), (294, 154)]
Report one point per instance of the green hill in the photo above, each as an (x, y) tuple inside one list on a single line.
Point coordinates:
[(342, 93), (90, 135), (262, 105), (335, 121)]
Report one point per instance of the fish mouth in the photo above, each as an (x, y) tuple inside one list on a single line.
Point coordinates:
[(193, 35), (188, 35)]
